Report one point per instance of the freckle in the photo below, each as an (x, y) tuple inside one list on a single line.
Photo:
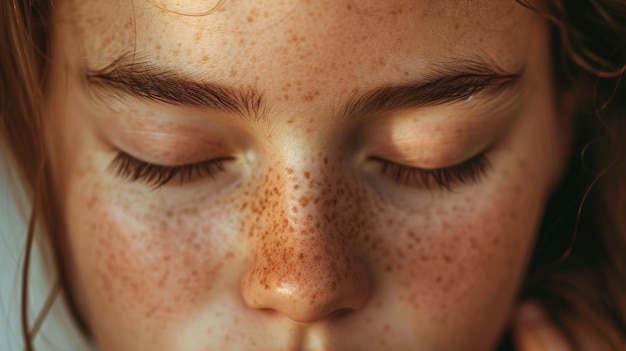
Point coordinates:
[(232, 73), (92, 201), (307, 175), (164, 225), (158, 47), (310, 96), (205, 58), (303, 201)]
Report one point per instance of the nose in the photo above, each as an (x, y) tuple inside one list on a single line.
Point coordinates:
[(305, 264)]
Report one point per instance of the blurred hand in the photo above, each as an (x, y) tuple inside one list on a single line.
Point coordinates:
[(533, 331)]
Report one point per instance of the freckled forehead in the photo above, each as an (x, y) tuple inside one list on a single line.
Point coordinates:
[(344, 39)]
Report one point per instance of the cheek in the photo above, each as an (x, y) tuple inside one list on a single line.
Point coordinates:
[(457, 266), (141, 265)]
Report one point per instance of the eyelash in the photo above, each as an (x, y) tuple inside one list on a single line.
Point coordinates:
[(134, 170), (470, 171)]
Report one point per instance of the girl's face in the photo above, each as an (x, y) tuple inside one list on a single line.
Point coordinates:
[(300, 175)]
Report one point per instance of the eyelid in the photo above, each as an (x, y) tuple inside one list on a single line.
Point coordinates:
[(132, 169), (470, 171)]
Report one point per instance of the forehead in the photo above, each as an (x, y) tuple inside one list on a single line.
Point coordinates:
[(322, 42)]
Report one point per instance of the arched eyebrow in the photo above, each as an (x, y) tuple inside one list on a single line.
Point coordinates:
[(155, 83), (455, 81), (446, 83)]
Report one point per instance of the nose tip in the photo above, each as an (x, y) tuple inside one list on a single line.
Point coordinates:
[(307, 292), (304, 263)]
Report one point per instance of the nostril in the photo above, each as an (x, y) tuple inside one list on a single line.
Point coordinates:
[(340, 313)]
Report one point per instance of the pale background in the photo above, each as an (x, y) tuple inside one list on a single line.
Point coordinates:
[(57, 333)]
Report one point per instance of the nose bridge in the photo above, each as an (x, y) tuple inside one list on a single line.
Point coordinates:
[(305, 264)]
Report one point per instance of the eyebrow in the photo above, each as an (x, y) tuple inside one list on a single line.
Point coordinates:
[(159, 84), (446, 83), (451, 82)]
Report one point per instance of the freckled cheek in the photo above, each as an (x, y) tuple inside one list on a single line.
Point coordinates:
[(136, 263), (463, 256)]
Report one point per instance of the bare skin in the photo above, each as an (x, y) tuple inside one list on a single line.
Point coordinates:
[(303, 238)]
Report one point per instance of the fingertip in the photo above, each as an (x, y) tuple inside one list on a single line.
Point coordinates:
[(530, 313), (534, 331)]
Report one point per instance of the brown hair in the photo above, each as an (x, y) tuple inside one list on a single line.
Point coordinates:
[(578, 272)]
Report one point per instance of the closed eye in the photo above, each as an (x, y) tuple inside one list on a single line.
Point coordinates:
[(467, 172), (134, 170)]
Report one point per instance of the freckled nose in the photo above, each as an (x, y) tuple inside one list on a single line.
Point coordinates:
[(306, 267)]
